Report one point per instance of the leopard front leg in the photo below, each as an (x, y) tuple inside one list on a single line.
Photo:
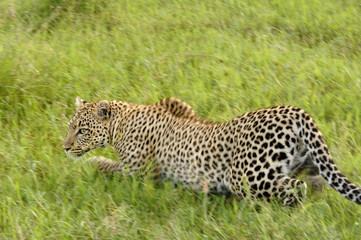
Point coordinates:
[(109, 166), (105, 164)]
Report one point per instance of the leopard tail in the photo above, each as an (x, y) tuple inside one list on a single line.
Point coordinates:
[(313, 140)]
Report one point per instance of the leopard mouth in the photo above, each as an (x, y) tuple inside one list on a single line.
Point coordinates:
[(77, 153)]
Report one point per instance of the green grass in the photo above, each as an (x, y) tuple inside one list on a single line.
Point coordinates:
[(222, 57)]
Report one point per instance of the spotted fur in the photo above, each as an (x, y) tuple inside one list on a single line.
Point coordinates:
[(258, 153), (181, 109)]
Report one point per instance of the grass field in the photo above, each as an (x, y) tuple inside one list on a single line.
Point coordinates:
[(222, 57)]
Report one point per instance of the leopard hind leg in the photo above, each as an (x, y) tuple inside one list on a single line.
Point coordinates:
[(270, 186), (304, 163), (291, 191)]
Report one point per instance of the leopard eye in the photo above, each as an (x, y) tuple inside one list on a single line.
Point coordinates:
[(82, 131)]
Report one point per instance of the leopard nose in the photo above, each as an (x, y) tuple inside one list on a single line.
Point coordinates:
[(66, 148), (67, 145)]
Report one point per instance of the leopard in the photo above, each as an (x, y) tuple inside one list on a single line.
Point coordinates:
[(258, 154)]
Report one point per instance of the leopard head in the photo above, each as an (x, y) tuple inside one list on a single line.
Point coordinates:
[(89, 128)]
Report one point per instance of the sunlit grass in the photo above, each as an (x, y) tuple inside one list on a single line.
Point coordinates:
[(222, 57)]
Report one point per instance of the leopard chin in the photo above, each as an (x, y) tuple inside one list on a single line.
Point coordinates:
[(76, 154)]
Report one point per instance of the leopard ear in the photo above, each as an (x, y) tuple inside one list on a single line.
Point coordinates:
[(79, 102), (103, 110)]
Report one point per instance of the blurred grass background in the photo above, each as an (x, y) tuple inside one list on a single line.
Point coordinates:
[(222, 57)]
